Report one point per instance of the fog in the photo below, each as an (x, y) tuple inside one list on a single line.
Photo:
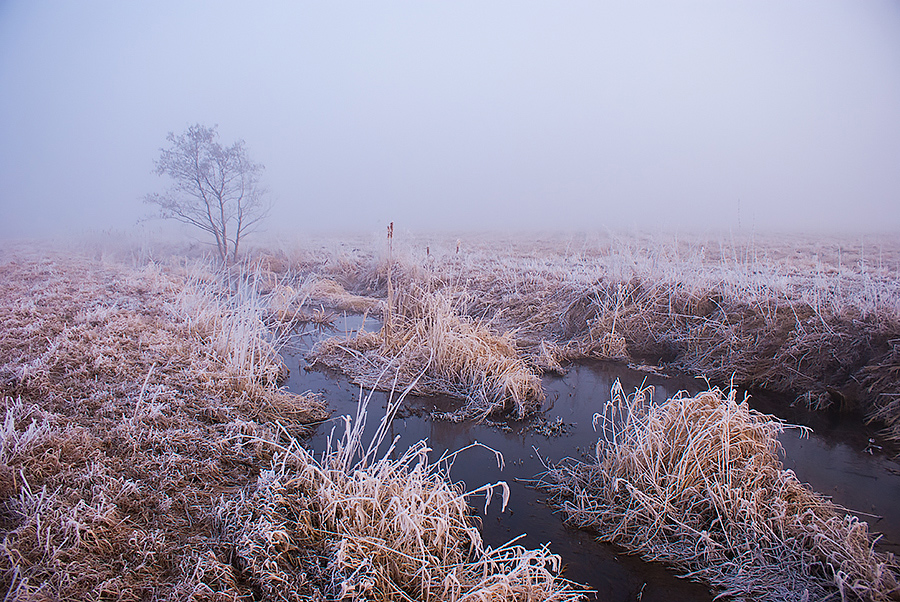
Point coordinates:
[(462, 115)]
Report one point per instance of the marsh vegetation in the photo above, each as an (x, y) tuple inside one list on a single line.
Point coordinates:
[(149, 450)]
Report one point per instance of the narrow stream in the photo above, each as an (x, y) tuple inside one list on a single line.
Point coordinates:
[(837, 459)]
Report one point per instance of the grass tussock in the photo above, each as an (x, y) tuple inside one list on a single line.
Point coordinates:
[(329, 293), (229, 318), (459, 355), (128, 409), (314, 299), (697, 482), (367, 523)]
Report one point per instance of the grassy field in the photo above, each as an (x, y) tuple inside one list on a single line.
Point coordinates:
[(147, 451)]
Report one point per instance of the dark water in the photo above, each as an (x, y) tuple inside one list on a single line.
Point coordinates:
[(834, 460)]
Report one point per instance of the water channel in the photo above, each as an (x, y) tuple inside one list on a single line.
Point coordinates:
[(841, 458)]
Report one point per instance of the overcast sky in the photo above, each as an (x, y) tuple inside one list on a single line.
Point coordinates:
[(464, 114)]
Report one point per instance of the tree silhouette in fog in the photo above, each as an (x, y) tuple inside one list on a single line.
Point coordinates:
[(215, 188)]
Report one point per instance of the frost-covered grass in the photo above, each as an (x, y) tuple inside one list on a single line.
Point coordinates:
[(459, 355), (125, 418)]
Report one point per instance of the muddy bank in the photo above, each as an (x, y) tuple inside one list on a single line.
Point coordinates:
[(829, 360)]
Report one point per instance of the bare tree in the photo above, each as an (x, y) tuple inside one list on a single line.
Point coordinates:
[(215, 188)]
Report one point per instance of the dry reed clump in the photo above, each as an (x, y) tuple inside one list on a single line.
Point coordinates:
[(463, 357), (332, 295), (231, 325), (696, 482), (551, 356), (362, 524), (314, 299), (123, 421)]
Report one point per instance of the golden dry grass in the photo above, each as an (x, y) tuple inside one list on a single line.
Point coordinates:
[(697, 482)]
